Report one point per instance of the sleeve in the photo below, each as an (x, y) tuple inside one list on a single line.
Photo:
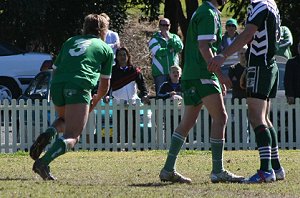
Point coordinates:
[(156, 49), (163, 92), (257, 14), (286, 39), (175, 43), (141, 83), (106, 66), (206, 20), (58, 59), (288, 79)]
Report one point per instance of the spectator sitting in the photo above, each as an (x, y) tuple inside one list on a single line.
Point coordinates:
[(171, 88), (286, 40)]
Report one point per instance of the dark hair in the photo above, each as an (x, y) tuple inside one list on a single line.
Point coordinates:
[(94, 24), (128, 55)]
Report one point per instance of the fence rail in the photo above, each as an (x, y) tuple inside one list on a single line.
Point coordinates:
[(142, 127)]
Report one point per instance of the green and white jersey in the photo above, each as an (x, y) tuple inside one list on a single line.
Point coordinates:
[(204, 25), (265, 15), (81, 61)]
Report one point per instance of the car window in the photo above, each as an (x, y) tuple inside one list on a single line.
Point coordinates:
[(7, 49), (39, 85)]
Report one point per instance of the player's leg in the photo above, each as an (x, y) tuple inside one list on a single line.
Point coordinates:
[(57, 126), (216, 108), (278, 169), (261, 84), (178, 138), (45, 138), (76, 115), (257, 110), (74, 124), (193, 105)]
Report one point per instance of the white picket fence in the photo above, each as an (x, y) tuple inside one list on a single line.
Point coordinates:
[(111, 127)]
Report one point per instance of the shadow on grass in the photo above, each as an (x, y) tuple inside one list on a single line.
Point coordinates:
[(15, 179), (157, 184)]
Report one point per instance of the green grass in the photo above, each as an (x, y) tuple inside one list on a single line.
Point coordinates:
[(135, 174)]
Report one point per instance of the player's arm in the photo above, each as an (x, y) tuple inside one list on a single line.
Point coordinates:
[(102, 91), (207, 54), (241, 40), (205, 50)]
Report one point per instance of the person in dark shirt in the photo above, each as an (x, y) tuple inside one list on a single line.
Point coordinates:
[(171, 88), (292, 79), (126, 80), (235, 72)]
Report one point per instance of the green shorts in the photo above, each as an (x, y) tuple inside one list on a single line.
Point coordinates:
[(262, 82), (195, 90), (69, 93)]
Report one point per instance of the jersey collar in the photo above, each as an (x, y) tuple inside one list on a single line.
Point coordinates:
[(211, 5)]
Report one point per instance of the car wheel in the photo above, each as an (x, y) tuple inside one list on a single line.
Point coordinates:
[(9, 90), (5, 93)]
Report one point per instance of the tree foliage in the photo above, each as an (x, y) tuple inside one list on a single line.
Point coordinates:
[(150, 7), (45, 25)]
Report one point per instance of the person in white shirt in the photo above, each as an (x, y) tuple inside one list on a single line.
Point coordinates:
[(111, 37)]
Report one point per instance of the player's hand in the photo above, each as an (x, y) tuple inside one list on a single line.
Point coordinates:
[(215, 63), (223, 79)]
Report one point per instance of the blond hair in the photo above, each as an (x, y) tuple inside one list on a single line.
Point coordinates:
[(105, 16), (95, 24), (175, 67)]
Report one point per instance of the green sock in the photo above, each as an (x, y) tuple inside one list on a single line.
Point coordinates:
[(58, 148), (52, 132), (274, 150), (176, 144), (217, 148), (264, 141)]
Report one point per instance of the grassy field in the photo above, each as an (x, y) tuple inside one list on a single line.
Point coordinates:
[(135, 174)]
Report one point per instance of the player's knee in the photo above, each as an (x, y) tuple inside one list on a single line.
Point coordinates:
[(222, 119)]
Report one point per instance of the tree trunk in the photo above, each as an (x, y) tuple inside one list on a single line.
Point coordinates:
[(171, 9)]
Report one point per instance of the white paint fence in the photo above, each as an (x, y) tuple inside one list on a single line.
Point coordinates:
[(119, 127)]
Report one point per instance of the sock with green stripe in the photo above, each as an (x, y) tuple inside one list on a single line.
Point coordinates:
[(176, 144), (217, 148), (58, 148), (264, 142)]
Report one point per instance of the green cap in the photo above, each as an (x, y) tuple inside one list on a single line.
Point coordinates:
[(232, 22)]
